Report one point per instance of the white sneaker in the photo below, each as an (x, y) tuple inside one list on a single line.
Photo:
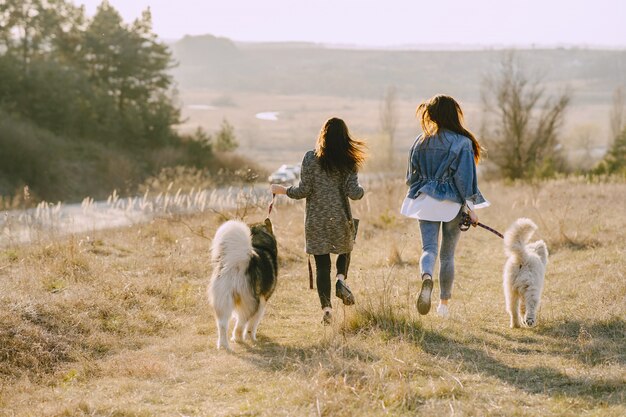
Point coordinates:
[(442, 310)]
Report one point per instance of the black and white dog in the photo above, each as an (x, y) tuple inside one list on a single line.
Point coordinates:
[(244, 277)]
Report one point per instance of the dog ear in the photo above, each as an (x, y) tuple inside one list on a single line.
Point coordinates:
[(268, 224)]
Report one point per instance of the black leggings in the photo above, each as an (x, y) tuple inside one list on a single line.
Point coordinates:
[(322, 270)]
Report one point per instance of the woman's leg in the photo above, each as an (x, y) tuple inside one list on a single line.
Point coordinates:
[(430, 242), (430, 236), (449, 239), (341, 288), (322, 271), (343, 263)]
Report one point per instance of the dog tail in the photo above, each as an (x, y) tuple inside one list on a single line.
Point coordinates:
[(516, 237), (232, 246)]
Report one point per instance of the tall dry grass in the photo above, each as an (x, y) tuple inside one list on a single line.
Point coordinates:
[(116, 323)]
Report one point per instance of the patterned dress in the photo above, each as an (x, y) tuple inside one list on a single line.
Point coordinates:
[(327, 218)]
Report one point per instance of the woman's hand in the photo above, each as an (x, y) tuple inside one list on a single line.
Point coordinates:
[(278, 189), (473, 217)]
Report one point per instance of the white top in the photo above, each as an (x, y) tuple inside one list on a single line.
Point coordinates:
[(425, 207)]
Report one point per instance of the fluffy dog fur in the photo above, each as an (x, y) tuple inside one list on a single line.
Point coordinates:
[(523, 272), (244, 277)]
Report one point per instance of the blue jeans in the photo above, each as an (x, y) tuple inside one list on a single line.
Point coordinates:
[(430, 240)]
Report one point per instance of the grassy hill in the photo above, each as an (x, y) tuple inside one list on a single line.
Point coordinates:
[(297, 68)]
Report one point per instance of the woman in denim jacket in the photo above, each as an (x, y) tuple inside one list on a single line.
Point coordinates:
[(441, 176)]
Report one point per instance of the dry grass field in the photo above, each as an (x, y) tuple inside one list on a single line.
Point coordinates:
[(116, 323), (300, 118)]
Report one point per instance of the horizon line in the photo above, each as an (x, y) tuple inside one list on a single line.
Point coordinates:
[(429, 46)]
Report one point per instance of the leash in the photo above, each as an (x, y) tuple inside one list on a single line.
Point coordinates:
[(269, 209), (466, 222), (269, 212), (310, 273)]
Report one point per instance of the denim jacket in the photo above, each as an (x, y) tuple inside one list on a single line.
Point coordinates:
[(443, 167)]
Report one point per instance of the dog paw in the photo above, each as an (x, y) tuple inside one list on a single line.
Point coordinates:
[(530, 322), (238, 336), (223, 346)]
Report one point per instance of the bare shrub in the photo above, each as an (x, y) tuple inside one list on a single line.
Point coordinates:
[(236, 168), (521, 124), (180, 177), (394, 257)]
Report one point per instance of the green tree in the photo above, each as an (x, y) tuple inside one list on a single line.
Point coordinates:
[(37, 83), (86, 105), (130, 65), (148, 60), (225, 140), (29, 28), (199, 147), (615, 160)]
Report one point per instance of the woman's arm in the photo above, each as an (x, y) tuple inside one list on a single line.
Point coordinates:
[(464, 174), (353, 188), (303, 189), (465, 180)]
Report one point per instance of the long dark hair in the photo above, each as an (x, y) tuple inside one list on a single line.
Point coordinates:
[(443, 112), (336, 149)]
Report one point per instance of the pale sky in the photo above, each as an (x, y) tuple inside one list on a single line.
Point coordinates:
[(389, 22)]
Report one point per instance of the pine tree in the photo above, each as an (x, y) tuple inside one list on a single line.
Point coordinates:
[(28, 28), (225, 140), (130, 65), (615, 160)]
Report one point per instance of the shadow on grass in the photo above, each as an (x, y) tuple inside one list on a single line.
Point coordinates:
[(336, 359), (535, 380), (594, 343), (605, 346), (591, 343)]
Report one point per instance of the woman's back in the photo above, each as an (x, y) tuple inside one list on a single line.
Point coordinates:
[(442, 166), (327, 207), (435, 157)]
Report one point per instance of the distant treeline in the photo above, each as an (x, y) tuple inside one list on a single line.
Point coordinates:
[(297, 68), (86, 104)]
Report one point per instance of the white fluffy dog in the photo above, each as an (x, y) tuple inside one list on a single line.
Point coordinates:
[(244, 277), (523, 272)]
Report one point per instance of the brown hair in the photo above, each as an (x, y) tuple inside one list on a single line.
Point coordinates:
[(336, 149), (443, 112)]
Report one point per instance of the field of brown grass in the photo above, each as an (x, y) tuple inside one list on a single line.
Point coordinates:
[(272, 143), (116, 323)]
